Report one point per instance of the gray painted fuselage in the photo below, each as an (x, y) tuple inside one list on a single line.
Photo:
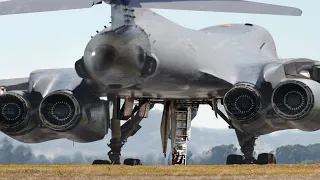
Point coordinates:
[(201, 64)]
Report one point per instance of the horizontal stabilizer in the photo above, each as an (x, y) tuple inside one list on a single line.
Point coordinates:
[(15, 84), (29, 6), (233, 6)]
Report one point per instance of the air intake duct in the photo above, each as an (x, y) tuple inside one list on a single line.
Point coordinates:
[(60, 111), (15, 112), (243, 103), (293, 99)]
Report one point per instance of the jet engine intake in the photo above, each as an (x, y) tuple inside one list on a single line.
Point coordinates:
[(60, 111), (243, 102), (292, 100), (15, 110)]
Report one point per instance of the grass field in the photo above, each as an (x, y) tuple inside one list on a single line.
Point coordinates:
[(84, 172)]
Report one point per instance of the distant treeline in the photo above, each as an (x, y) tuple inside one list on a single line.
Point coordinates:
[(290, 154), (23, 154)]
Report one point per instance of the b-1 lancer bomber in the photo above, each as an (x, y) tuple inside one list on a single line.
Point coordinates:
[(143, 59)]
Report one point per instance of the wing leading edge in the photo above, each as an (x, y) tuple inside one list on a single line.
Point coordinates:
[(8, 7), (235, 6)]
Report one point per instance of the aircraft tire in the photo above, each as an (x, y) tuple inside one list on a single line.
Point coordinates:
[(132, 162), (100, 162), (266, 158), (234, 159)]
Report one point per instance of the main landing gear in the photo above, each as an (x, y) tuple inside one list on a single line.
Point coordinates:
[(175, 125), (120, 134), (246, 142)]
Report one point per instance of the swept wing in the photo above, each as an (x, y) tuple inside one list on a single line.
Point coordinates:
[(30, 6), (237, 6)]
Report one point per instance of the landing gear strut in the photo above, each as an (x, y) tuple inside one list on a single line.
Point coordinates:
[(247, 143), (115, 142), (120, 133), (115, 152)]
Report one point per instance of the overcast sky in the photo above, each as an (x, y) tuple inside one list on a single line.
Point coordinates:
[(58, 39)]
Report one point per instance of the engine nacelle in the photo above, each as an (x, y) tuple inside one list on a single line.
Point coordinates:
[(63, 113), (243, 103), (297, 100), (60, 111), (15, 112)]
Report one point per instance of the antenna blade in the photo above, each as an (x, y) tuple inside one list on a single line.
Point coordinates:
[(30, 6), (233, 6)]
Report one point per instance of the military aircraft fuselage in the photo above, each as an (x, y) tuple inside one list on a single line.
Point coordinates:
[(187, 63), (157, 58)]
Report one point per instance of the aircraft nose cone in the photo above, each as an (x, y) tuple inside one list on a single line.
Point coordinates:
[(104, 57)]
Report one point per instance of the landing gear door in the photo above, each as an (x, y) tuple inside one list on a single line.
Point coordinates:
[(189, 118)]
